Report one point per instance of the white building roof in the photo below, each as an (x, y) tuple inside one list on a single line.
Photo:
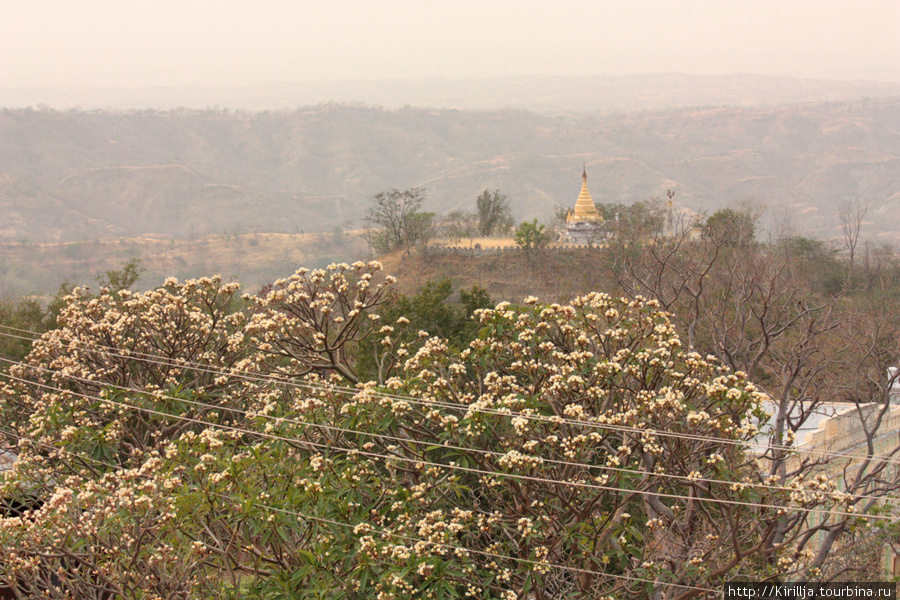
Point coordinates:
[(814, 422)]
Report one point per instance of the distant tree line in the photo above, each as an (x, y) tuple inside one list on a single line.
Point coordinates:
[(396, 221)]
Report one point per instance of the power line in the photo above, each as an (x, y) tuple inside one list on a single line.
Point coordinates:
[(183, 364), (444, 445), (409, 538), (455, 467)]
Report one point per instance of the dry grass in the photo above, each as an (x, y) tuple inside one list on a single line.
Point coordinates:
[(552, 276), (483, 242), (252, 259)]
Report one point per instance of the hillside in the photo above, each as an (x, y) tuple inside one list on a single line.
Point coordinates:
[(253, 259), (75, 176), (557, 275)]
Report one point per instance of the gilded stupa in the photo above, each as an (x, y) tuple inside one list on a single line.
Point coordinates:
[(584, 223)]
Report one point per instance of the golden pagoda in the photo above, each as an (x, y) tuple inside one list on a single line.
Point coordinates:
[(585, 209), (584, 224)]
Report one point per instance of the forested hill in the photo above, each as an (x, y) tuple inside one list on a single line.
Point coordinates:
[(82, 175)]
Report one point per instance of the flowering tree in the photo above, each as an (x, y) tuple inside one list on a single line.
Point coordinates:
[(794, 316), (182, 339), (586, 438), (311, 321), (187, 447), (92, 410)]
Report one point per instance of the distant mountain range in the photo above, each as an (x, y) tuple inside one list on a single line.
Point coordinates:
[(79, 175), (553, 94)]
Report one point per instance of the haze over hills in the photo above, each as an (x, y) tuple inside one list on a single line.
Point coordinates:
[(71, 176), (536, 93)]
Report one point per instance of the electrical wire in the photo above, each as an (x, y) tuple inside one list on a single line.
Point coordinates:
[(210, 369), (455, 467), (444, 445), (371, 528)]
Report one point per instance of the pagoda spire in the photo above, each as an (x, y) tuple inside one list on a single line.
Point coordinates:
[(585, 210)]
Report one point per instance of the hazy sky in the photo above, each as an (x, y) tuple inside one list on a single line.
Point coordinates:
[(137, 43)]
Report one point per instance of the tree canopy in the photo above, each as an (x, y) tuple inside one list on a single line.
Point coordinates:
[(493, 212), (731, 227), (189, 443), (531, 236), (400, 223)]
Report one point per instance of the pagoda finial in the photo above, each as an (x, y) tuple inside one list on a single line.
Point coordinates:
[(584, 171)]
